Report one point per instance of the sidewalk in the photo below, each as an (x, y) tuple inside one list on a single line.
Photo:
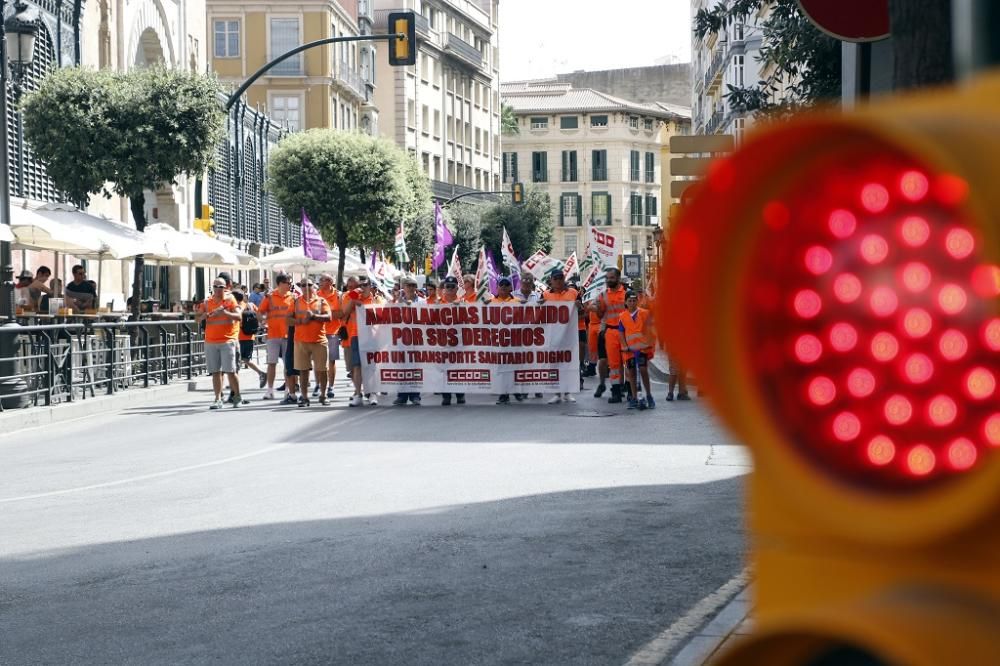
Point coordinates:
[(732, 622)]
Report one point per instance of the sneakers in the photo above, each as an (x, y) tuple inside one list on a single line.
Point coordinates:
[(446, 400), (555, 400), (216, 404), (229, 400), (670, 397), (503, 400), (315, 390), (683, 396), (263, 380), (240, 400), (323, 401), (650, 403), (399, 402), (373, 401), (269, 394), (601, 388), (590, 371), (415, 400), (303, 401), (632, 404), (460, 398), (569, 397), (289, 399), (538, 395), (355, 400), (520, 396), (329, 394)]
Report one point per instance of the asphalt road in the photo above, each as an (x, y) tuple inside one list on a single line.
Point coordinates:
[(464, 535)]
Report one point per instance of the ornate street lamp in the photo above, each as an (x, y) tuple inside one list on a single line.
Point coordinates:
[(22, 29)]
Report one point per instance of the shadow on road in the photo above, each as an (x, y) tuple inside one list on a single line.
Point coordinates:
[(580, 577)]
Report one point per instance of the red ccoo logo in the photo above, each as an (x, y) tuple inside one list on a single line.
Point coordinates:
[(400, 376), (473, 376), (535, 376)]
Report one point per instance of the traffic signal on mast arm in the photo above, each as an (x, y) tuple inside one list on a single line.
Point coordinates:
[(835, 287), (517, 193), (206, 222), (402, 47)]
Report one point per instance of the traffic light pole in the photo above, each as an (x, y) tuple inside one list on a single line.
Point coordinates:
[(975, 23)]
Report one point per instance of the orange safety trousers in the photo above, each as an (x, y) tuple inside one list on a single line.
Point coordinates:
[(613, 345), (592, 332)]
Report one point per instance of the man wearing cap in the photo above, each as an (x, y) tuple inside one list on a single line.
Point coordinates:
[(503, 297), (276, 312), (558, 291), (328, 292), (22, 295), (432, 295), (353, 305), (449, 295), (312, 312), (222, 315), (409, 297)]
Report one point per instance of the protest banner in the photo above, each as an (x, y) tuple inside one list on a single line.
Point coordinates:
[(470, 348), (606, 246)]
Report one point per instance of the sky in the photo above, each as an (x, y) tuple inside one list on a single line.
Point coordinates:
[(540, 38)]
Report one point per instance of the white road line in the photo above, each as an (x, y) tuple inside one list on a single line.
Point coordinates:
[(144, 477), (656, 650)]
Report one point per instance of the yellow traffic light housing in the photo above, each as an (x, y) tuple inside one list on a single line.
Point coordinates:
[(835, 286), (517, 193), (206, 222), (402, 47)]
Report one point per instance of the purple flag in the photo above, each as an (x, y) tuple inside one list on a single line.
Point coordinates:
[(491, 268), (312, 243), (442, 237)]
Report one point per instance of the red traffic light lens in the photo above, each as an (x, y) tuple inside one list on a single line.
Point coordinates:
[(885, 309)]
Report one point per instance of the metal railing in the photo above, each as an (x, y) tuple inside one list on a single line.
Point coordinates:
[(55, 363)]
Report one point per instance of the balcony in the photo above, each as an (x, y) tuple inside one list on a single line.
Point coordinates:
[(715, 121), (713, 74), (351, 81), (366, 11), (462, 50)]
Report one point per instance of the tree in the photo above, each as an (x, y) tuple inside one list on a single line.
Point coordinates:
[(102, 132), (800, 54), (508, 120), (354, 188), (419, 222), (467, 225), (529, 225)]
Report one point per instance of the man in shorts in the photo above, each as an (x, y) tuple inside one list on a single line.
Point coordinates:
[(312, 312), (221, 315), (276, 311), (247, 340), (332, 296)]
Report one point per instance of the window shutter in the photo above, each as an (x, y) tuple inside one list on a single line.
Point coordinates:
[(565, 160), (513, 166), (593, 164), (545, 167), (579, 210), (611, 217), (561, 209), (572, 166), (503, 168)]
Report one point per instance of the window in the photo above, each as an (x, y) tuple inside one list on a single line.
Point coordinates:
[(569, 166), (539, 167), (286, 109), (425, 120), (598, 121), (634, 166), (569, 210), (569, 243), (738, 32), (437, 124), (600, 208), (540, 122), (227, 39), (647, 124), (635, 209), (509, 168), (650, 209), (739, 129), (569, 122), (738, 71), (650, 167), (285, 37), (599, 165), (633, 122)]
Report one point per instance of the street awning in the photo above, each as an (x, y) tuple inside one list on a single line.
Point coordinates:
[(63, 228), (294, 260), (195, 248), (6, 235)]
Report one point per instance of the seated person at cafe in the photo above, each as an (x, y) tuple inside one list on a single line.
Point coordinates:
[(38, 290), (81, 293), (22, 295)]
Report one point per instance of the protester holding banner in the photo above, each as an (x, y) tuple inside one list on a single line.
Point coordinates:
[(635, 328), (432, 293), (558, 291), (409, 297), (528, 293), (504, 295), (449, 294), (610, 306), (469, 285), (354, 304)]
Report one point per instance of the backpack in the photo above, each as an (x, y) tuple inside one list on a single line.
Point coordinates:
[(249, 323)]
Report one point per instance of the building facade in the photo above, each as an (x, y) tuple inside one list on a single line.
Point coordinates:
[(327, 86), (445, 110), (720, 59), (598, 157)]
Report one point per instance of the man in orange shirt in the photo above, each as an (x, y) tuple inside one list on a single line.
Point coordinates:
[(558, 291), (221, 315), (610, 306), (332, 296), (353, 307), (312, 312), (276, 310)]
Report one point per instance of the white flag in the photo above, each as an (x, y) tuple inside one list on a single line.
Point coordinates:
[(605, 246), (594, 284), (455, 271), (507, 254), (483, 278), (570, 267)]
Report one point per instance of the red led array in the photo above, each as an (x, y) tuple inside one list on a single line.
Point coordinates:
[(887, 312)]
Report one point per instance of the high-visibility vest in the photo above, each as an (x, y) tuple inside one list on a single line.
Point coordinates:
[(614, 305), (635, 327), (219, 328)]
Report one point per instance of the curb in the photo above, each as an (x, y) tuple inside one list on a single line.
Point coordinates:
[(32, 417), (727, 626)]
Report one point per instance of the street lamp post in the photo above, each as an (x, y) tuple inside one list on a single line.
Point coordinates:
[(22, 27)]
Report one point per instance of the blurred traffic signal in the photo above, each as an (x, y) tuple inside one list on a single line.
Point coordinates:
[(835, 286), (206, 222), (403, 47), (517, 193)]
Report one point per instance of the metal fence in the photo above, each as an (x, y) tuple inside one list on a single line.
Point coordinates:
[(51, 364)]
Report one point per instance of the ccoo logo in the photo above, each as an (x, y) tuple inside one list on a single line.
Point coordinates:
[(472, 376), (534, 376), (399, 375)]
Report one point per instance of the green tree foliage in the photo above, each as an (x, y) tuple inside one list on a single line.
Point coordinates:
[(419, 226), (508, 120), (529, 225), (799, 52), (354, 188), (103, 132), (465, 220)]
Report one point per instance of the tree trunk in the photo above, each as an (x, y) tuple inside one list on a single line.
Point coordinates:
[(138, 206), (921, 37), (342, 255)]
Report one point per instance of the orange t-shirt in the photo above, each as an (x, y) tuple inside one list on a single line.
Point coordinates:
[(248, 336), (333, 298), (220, 328), (470, 297), (310, 330), (278, 309), (433, 300), (501, 299), (567, 294), (352, 319)]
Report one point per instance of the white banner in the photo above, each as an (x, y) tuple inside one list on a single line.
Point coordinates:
[(470, 348), (605, 245)]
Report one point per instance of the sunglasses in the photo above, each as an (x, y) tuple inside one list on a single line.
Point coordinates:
[(218, 286)]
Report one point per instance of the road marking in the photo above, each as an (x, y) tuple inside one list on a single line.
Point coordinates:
[(144, 477), (656, 650)]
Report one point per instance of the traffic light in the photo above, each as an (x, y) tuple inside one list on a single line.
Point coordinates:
[(835, 288), (517, 193), (402, 50), (428, 271), (206, 223)]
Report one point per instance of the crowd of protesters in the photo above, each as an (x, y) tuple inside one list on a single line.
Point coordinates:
[(311, 326)]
